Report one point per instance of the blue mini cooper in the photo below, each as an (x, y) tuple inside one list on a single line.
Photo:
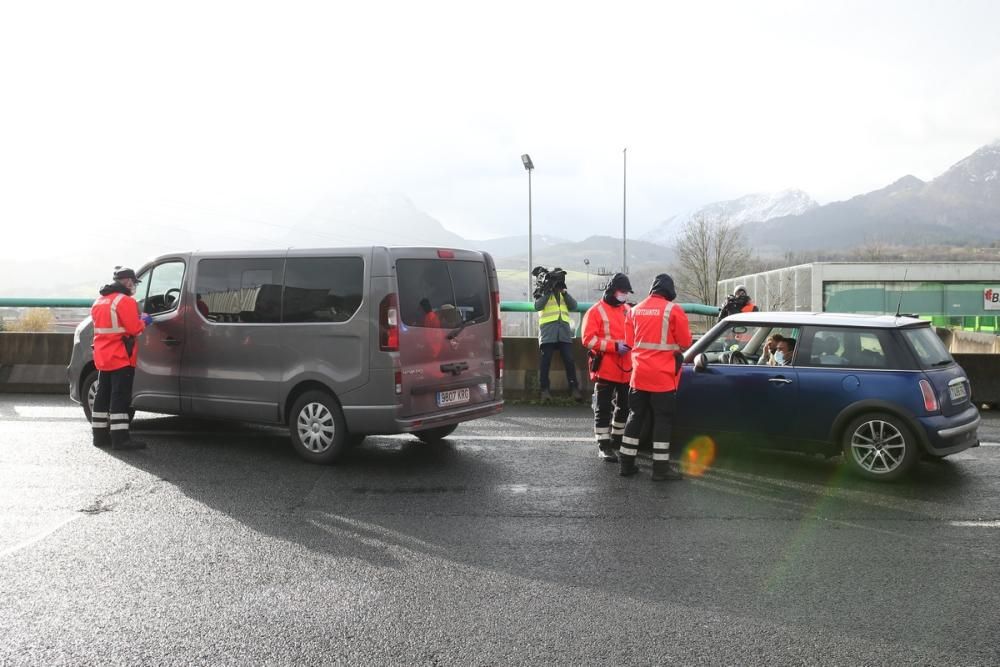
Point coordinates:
[(881, 390)]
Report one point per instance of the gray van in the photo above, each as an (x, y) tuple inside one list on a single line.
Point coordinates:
[(336, 343)]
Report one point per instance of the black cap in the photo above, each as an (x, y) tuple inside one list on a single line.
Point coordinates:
[(122, 273), (618, 283), (663, 285)]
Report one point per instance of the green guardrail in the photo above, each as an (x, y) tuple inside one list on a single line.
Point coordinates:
[(581, 307), (18, 302), (505, 306)]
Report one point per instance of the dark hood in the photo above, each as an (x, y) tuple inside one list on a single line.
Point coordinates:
[(111, 288), (663, 285), (618, 283)]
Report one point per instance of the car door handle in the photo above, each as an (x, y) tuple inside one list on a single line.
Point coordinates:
[(781, 380), (171, 341)]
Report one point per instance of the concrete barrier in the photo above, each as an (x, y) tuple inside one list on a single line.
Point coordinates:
[(36, 363)]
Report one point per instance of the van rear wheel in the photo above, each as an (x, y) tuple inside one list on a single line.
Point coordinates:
[(318, 430), (432, 435)]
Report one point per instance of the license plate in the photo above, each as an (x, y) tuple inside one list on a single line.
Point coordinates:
[(452, 397), (957, 391)]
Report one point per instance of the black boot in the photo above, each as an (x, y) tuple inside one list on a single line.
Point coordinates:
[(627, 466), (121, 440), (102, 437), (665, 471), (607, 454)]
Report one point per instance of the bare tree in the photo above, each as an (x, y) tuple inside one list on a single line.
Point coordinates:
[(710, 250)]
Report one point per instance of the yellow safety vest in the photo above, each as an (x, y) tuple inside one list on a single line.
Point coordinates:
[(554, 311)]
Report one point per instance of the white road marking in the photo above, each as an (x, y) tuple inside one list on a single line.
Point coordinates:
[(975, 524), (39, 537)]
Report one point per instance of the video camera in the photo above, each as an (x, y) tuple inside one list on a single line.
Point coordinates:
[(547, 281)]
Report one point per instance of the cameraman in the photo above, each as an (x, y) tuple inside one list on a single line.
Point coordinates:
[(738, 302), (555, 329)]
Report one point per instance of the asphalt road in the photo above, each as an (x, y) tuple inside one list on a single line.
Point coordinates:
[(509, 544)]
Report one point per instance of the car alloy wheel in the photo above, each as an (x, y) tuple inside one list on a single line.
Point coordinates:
[(878, 447), (316, 427)]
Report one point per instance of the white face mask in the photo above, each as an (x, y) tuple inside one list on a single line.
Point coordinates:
[(779, 357), (621, 297)]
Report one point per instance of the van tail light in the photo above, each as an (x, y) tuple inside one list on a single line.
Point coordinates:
[(398, 376), (388, 324), (498, 368), (497, 327), (446, 254), (930, 400)]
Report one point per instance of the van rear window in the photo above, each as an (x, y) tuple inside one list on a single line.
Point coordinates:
[(928, 347), (442, 294)]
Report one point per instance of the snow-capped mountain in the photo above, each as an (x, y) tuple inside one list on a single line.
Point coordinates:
[(750, 208)]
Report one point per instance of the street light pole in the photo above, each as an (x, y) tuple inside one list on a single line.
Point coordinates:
[(624, 193), (529, 166)]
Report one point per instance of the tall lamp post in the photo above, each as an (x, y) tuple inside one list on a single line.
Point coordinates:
[(529, 166), (624, 192)]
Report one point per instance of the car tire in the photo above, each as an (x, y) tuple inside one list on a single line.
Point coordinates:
[(317, 427), (879, 446), (438, 434), (87, 390)]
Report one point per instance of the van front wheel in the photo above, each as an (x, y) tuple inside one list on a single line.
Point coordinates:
[(432, 435), (318, 430)]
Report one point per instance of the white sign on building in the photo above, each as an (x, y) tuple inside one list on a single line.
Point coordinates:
[(991, 298)]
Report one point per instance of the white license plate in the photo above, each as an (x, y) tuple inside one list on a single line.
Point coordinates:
[(452, 397), (957, 391)]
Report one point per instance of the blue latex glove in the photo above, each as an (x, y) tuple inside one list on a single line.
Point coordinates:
[(146, 318), (622, 348)]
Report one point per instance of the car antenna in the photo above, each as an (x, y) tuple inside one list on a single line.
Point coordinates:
[(899, 304)]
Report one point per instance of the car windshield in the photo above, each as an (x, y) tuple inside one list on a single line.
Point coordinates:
[(928, 347)]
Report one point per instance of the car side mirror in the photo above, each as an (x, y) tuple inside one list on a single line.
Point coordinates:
[(700, 362)]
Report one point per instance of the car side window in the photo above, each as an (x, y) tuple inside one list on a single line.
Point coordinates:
[(163, 291), (847, 348), (239, 291), (736, 344)]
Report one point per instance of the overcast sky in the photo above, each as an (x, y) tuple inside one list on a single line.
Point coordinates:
[(202, 115)]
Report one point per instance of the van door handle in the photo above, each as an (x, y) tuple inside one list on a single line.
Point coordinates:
[(781, 380), (455, 368), (171, 341)]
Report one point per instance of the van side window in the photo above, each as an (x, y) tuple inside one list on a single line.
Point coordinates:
[(322, 289), (163, 292), (239, 290), (442, 294)]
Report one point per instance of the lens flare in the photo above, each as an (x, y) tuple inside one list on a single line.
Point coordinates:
[(698, 456)]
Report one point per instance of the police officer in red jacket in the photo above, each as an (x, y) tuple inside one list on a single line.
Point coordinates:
[(603, 334), (117, 322), (658, 335)]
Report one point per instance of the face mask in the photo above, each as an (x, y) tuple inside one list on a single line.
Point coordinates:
[(620, 297), (779, 357)]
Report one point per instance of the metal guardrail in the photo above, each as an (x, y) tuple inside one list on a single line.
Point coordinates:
[(505, 306), (19, 302)]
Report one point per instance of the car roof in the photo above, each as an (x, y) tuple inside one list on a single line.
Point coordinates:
[(828, 320)]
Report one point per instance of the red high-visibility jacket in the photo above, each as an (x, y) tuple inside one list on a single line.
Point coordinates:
[(116, 316), (659, 333), (603, 326)]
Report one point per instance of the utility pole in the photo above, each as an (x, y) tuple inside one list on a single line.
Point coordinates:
[(624, 194)]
